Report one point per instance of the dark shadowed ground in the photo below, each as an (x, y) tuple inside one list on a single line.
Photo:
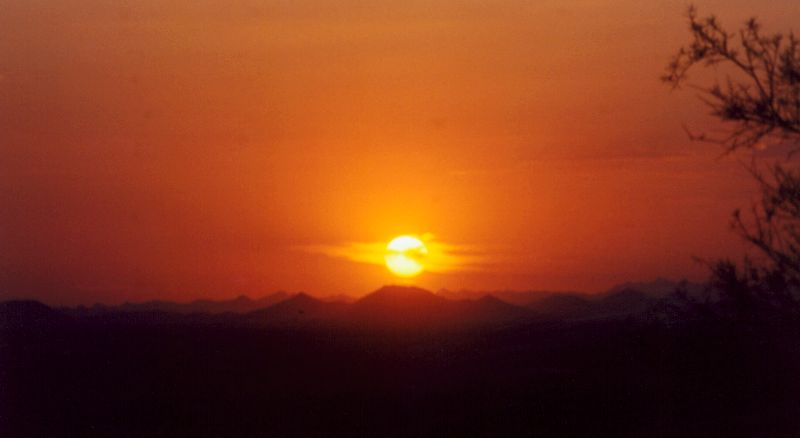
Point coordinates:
[(112, 376)]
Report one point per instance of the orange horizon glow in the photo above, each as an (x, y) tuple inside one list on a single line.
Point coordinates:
[(180, 150)]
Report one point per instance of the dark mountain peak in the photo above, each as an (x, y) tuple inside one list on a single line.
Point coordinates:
[(27, 312), (393, 289), (298, 308), (400, 306), (301, 298), (26, 306), (490, 299), (300, 303), (401, 296), (494, 305), (413, 308)]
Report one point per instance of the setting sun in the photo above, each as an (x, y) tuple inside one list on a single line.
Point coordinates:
[(418, 218), (405, 255)]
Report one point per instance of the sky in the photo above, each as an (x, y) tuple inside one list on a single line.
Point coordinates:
[(178, 149)]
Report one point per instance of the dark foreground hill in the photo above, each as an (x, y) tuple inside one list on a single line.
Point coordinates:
[(333, 369)]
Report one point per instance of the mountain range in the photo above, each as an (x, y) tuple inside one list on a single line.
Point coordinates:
[(400, 307)]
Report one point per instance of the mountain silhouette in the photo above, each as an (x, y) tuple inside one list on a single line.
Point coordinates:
[(620, 303), (306, 367), (28, 313), (300, 308), (394, 307), (492, 310), (240, 304), (519, 298), (338, 298), (625, 301), (401, 298), (563, 305), (402, 307), (658, 288)]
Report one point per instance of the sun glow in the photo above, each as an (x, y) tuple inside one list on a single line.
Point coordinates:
[(405, 256)]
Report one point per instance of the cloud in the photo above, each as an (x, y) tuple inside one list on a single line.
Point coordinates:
[(442, 257)]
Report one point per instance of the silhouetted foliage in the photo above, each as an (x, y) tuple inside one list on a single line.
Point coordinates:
[(764, 99), (759, 101)]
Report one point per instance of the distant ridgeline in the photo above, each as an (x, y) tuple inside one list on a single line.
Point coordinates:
[(390, 306)]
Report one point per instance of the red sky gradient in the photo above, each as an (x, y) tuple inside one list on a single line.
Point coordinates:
[(185, 149)]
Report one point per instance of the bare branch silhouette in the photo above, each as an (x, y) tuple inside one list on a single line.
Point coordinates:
[(758, 100)]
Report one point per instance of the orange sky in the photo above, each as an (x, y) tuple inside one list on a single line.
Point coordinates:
[(185, 149)]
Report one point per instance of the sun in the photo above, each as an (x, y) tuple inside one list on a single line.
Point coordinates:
[(405, 256)]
